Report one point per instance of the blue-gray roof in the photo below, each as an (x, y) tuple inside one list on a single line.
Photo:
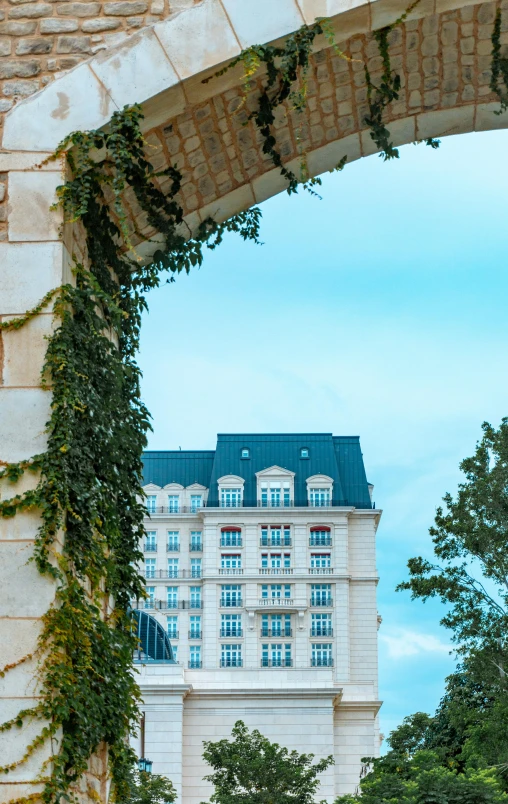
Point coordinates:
[(339, 457)]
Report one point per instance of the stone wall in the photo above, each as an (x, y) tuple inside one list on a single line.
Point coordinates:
[(40, 39)]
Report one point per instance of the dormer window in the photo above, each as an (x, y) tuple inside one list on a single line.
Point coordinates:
[(151, 503), (245, 453), (231, 491), (275, 487), (320, 491), (304, 453)]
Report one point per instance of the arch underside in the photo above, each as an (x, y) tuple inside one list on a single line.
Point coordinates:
[(443, 59)]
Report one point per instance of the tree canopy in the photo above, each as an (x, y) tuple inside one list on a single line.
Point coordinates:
[(252, 770)]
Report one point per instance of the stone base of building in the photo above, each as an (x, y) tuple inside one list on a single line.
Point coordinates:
[(306, 710)]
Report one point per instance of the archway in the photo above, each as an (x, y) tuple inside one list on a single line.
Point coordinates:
[(442, 52)]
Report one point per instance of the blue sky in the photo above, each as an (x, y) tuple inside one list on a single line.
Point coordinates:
[(378, 311)]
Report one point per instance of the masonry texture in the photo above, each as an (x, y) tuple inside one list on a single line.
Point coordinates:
[(38, 40)]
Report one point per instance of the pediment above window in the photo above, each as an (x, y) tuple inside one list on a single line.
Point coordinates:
[(196, 487), (230, 480), (274, 471), (151, 488), (173, 487), (319, 481)]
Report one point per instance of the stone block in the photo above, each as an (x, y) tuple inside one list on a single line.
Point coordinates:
[(255, 23), (125, 8), (58, 26), (31, 195), (24, 351), (210, 31), (31, 11), (34, 46), (77, 101), (25, 412), (79, 9), (27, 272), (12, 749), (19, 638)]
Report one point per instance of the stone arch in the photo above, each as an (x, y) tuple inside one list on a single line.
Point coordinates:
[(443, 54)]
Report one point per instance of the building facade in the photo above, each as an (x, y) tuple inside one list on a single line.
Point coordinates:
[(259, 562)]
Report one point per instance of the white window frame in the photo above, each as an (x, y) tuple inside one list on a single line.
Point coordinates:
[(196, 567), (173, 567), (173, 503), (172, 626), (320, 560), (151, 503), (150, 567), (320, 491)]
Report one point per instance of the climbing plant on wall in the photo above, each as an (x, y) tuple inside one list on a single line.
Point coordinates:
[(87, 483)]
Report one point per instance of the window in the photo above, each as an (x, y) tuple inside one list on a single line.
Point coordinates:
[(321, 594), (276, 655), (320, 560), (195, 627), (275, 495), (304, 452), (276, 590), (231, 595), (151, 541), (231, 561), (245, 453), (172, 627), (231, 538), (173, 567), (195, 656), (150, 567), (275, 536), (173, 503), (320, 537), (322, 655), (151, 503), (175, 652), (196, 543), (195, 567), (320, 498), (321, 625), (231, 625), (276, 625), (196, 502), (172, 593), (150, 600), (173, 541), (195, 597), (230, 498), (231, 656)]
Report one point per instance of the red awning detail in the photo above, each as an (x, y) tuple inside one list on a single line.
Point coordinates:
[(319, 527), (230, 528)]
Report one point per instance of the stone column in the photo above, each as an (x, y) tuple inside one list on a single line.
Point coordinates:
[(32, 262)]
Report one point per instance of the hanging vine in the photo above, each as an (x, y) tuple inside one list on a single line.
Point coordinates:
[(499, 66), (89, 477)]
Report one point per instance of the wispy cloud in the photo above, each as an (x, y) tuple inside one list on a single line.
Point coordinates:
[(405, 642)]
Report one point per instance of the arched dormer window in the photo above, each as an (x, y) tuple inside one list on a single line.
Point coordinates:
[(319, 491), (231, 491)]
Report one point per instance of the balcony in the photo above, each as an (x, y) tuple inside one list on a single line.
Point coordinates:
[(166, 605), (324, 661), (320, 541), (172, 634), (195, 634), (305, 503), (233, 603), (276, 633), (275, 601), (276, 571), (321, 632), (321, 601), (195, 664), (196, 547), (172, 547), (172, 574), (150, 547), (321, 571), (276, 663), (231, 633), (267, 542), (230, 571), (231, 542), (231, 663)]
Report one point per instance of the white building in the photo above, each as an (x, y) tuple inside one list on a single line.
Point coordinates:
[(260, 566)]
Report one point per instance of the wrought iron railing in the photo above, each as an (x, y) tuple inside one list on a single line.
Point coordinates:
[(231, 663), (189, 509), (276, 663), (233, 603), (276, 632), (324, 661), (321, 601)]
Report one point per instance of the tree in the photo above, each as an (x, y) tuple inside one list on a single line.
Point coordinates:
[(148, 788), (394, 779), (471, 544), (252, 770), (410, 736)]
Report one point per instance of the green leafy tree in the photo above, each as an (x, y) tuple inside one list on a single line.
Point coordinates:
[(411, 735), (148, 788), (422, 779), (471, 547), (252, 770)]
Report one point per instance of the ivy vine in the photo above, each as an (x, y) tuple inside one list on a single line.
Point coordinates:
[(499, 66), (88, 485)]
